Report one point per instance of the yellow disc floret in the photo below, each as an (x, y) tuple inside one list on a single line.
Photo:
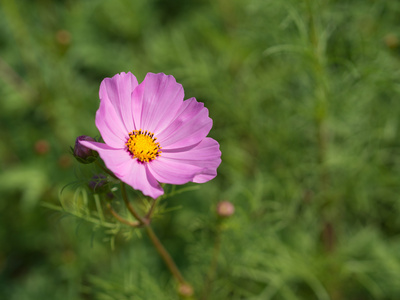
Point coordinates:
[(143, 146)]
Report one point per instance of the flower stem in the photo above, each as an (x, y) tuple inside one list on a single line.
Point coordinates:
[(184, 288), (151, 210), (214, 262), (328, 210), (121, 219), (99, 209), (165, 255), (129, 206)]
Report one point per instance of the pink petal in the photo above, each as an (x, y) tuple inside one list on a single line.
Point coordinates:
[(156, 101), (110, 125), (172, 171), (114, 159), (117, 91), (140, 178), (127, 169), (190, 126), (206, 156), (137, 104)]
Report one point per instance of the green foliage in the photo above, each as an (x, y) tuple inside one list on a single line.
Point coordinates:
[(303, 99)]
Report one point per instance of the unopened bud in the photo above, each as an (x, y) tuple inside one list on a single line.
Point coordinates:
[(82, 153), (98, 182), (225, 209), (110, 196), (185, 290)]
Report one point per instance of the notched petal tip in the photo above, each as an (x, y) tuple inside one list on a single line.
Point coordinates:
[(160, 98), (115, 93)]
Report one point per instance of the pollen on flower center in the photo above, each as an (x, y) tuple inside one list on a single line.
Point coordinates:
[(143, 146)]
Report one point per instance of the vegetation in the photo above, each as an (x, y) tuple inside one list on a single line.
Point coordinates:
[(304, 99)]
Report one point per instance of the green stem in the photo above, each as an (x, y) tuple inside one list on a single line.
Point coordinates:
[(99, 208), (214, 262), (129, 206), (84, 217), (184, 288), (321, 96), (12, 78), (165, 255), (327, 207), (121, 219), (151, 210)]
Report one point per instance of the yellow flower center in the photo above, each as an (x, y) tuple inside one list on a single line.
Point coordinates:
[(143, 146)]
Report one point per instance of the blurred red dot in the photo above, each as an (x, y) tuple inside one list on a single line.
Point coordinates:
[(391, 40), (63, 37), (65, 161), (42, 147)]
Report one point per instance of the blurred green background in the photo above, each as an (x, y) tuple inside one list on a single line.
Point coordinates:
[(304, 96)]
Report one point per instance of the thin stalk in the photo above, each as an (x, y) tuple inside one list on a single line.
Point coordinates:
[(151, 210), (214, 263), (84, 217), (321, 96), (12, 78), (129, 206), (121, 219), (165, 255), (99, 208), (327, 207), (184, 288)]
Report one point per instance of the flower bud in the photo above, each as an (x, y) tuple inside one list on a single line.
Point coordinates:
[(110, 196), (225, 209), (185, 290), (98, 183), (82, 153)]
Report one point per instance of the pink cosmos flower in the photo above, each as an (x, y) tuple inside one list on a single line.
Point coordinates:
[(151, 135)]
